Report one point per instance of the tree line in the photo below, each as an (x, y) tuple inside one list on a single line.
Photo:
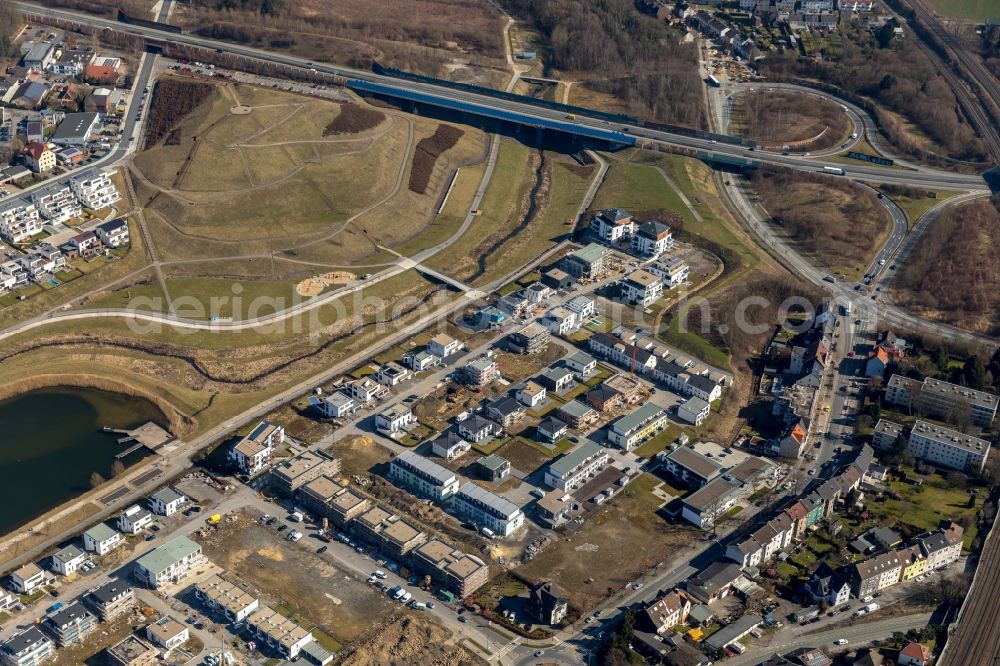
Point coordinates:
[(623, 52)]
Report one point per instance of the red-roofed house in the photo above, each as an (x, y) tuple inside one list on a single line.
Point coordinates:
[(914, 654), (38, 157), (101, 74), (794, 443), (798, 514), (877, 361)]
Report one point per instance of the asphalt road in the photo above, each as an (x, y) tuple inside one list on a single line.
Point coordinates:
[(928, 179)]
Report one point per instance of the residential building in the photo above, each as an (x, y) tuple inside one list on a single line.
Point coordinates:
[(134, 520), (587, 262), (582, 365), (41, 261), (94, 189), (551, 429), (75, 129), (878, 359), (19, 221), (26, 579), (291, 474), (732, 632), (113, 233), (101, 539), (516, 305), (476, 429), (694, 410), (449, 567), (366, 390), (885, 435), (336, 405), (56, 203), (72, 63), (914, 562), (531, 395), (26, 94), (546, 605), (942, 400), (652, 238), (111, 600), (612, 225), (394, 420), (493, 468), (641, 287), (169, 563), (576, 414), (530, 339), (691, 467), (914, 654), (328, 498), (167, 633), (504, 410), (537, 293), (874, 574), (946, 447), (27, 648), (443, 346), (392, 374), (605, 398), (705, 505), (449, 445), (422, 477), (556, 379), (419, 360), (666, 612), (85, 245), (278, 632), (490, 317), (561, 321), (389, 532), (38, 157), (69, 624), (133, 651), (714, 582), (67, 560), (793, 444), (487, 510), (481, 371), (628, 431), (576, 466), (253, 453), (943, 546), (672, 271), (226, 594), (39, 55), (553, 509), (166, 501), (856, 5), (826, 584), (557, 279)]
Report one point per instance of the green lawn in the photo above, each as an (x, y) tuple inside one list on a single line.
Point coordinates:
[(694, 344), (638, 187), (642, 489), (660, 442), (915, 208), (978, 10), (486, 448), (924, 507)]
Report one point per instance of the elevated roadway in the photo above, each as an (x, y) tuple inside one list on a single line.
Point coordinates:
[(522, 111)]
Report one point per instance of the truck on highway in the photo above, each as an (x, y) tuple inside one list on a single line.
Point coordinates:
[(836, 171)]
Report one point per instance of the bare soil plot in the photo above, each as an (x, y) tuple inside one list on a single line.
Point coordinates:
[(358, 455), (293, 575), (835, 223), (408, 639), (788, 118), (952, 273), (352, 119)]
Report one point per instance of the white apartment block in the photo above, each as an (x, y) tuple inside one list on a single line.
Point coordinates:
[(94, 189), (134, 519), (485, 509), (19, 221), (673, 271), (67, 560), (169, 563), (576, 466), (946, 447), (642, 287), (612, 225), (394, 420), (422, 477), (253, 453), (56, 203), (166, 501), (101, 539), (652, 238)]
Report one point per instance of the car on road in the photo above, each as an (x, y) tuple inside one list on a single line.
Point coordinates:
[(323, 549), (811, 472), (462, 618), (539, 653), (282, 528), (840, 641)]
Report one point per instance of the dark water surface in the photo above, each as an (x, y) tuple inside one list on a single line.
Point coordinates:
[(51, 442)]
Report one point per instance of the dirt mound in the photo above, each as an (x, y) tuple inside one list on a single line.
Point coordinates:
[(427, 152), (315, 285), (408, 640), (354, 119)]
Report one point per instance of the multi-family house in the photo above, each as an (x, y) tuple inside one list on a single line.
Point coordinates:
[(227, 595), (488, 510), (588, 262), (450, 568), (477, 429), (531, 395), (422, 477), (612, 225), (70, 624), (253, 453), (914, 561), (705, 505), (874, 574), (392, 374), (481, 371), (946, 447), (583, 306), (652, 238), (691, 467), (292, 473), (504, 410), (630, 430), (166, 501), (134, 520), (111, 600), (113, 233), (666, 612), (827, 585), (443, 346), (280, 633), (641, 287), (530, 339), (561, 320), (576, 466), (29, 647), (394, 420), (38, 157), (577, 414), (943, 546), (366, 390), (942, 400), (56, 203), (556, 379), (94, 189), (19, 221), (169, 563), (449, 446)]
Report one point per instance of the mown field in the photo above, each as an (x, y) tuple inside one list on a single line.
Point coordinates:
[(779, 118)]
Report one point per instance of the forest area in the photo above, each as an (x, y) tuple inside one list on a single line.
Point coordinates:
[(991, 48), (896, 74), (612, 47), (952, 274)]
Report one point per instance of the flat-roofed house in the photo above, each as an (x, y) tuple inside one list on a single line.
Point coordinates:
[(450, 568), (26, 579), (291, 474), (388, 531), (328, 498), (67, 560), (278, 632), (169, 563), (630, 430), (531, 395), (167, 633), (337, 405), (703, 506), (253, 453), (133, 651), (691, 467), (166, 501), (946, 447)]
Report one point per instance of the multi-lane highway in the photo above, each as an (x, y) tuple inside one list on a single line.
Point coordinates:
[(488, 105)]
